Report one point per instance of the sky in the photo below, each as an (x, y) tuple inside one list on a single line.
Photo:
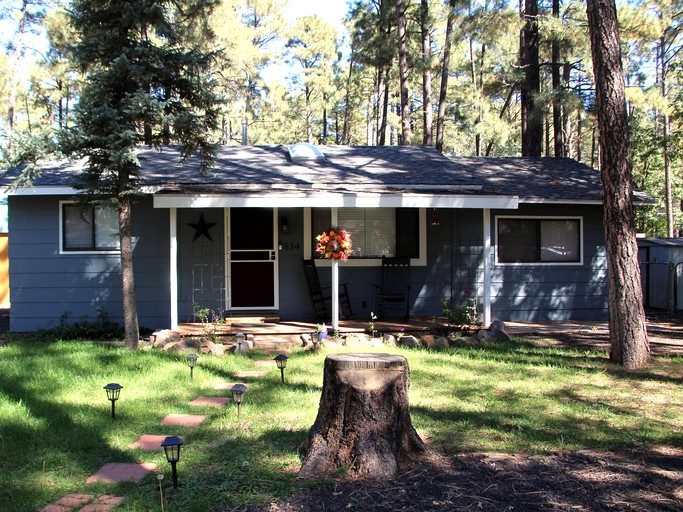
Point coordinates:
[(331, 11)]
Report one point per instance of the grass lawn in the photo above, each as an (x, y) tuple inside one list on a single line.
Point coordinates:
[(56, 427)]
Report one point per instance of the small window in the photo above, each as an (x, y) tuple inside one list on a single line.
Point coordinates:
[(89, 228), (525, 240)]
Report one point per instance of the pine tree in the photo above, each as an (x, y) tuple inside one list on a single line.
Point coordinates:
[(147, 82)]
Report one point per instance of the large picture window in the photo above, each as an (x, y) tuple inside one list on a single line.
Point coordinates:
[(376, 232), (539, 240), (89, 228)]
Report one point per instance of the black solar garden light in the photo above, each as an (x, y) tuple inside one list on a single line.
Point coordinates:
[(113, 391), (171, 446), (281, 362)]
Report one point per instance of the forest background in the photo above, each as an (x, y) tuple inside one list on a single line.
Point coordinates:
[(474, 78)]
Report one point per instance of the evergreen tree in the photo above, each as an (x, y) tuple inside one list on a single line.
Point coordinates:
[(148, 82)]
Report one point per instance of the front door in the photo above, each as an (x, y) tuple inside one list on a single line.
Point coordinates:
[(252, 259)]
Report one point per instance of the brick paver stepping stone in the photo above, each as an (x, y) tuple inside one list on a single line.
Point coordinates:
[(68, 503), (265, 362), (185, 420), (73, 502), (102, 504), (116, 472), (214, 401), (151, 443), (227, 386), (251, 373)]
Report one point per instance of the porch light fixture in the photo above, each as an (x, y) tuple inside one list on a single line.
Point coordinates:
[(237, 395), (281, 362), (435, 218), (191, 362), (171, 446), (240, 338), (113, 391), (284, 225)]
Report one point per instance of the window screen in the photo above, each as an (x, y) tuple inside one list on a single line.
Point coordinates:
[(539, 240)]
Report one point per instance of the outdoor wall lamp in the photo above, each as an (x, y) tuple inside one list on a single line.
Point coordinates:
[(240, 338), (171, 446), (113, 391), (191, 362), (281, 362), (284, 225), (237, 395)]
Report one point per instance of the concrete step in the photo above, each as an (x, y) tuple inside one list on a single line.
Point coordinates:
[(273, 342)]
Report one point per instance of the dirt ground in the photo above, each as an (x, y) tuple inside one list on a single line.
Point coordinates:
[(573, 481), (579, 481)]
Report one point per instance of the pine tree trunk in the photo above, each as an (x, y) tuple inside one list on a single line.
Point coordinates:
[(406, 132), (628, 335), (558, 143), (426, 74), (445, 71), (531, 117), (130, 309), (363, 424)]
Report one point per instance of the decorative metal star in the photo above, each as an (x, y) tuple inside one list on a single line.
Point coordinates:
[(202, 228)]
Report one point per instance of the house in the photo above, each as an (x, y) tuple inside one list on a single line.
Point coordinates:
[(524, 236)]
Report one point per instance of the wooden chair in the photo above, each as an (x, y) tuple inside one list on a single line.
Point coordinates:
[(392, 292), (321, 297)]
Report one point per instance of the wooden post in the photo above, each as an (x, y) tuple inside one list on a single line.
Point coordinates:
[(363, 425)]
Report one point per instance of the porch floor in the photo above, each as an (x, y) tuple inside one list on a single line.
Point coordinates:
[(264, 326)]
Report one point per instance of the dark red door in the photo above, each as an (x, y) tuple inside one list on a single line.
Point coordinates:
[(252, 259)]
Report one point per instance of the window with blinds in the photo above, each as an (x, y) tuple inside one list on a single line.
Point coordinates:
[(89, 229), (374, 230)]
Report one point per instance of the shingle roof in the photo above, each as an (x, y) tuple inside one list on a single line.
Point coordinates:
[(366, 168)]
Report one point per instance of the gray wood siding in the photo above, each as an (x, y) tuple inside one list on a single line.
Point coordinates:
[(555, 292), (46, 285)]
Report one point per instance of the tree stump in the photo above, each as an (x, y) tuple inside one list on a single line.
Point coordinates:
[(363, 424)]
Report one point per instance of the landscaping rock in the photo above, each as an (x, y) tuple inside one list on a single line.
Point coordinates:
[(497, 325), (356, 339), (184, 345), (483, 335), (441, 342), (410, 341), (465, 341), (246, 345), (499, 335), (218, 349), (428, 340), (165, 336), (389, 339), (206, 346)]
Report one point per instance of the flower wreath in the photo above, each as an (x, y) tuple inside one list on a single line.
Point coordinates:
[(334, 244)]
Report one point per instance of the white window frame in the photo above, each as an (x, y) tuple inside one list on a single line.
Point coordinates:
[(540, 263), (420, 261), (62, 250)]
